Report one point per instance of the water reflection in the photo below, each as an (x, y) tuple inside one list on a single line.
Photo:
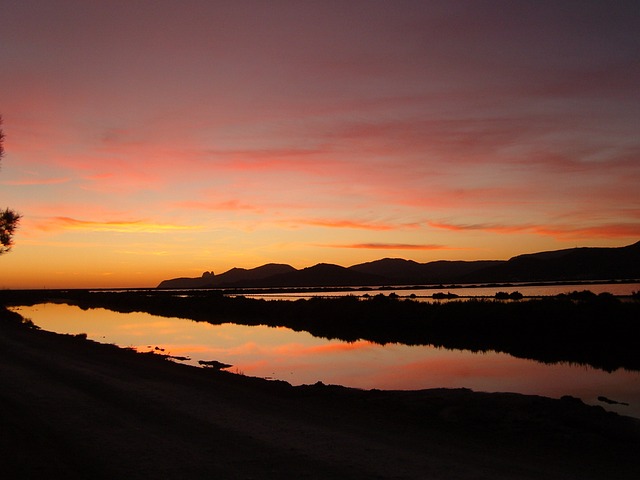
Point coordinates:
[(300, 358), (426, 293)]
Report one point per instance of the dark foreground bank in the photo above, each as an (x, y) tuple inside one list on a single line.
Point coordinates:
[(72, 408)]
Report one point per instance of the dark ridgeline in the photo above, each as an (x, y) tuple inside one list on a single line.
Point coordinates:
[(322, 274), (252, 275), (205, 281), (408, 272), (575, 264), (231, 277)]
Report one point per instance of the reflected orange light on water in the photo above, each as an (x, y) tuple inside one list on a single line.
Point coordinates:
[(300, 358), (296, 349)]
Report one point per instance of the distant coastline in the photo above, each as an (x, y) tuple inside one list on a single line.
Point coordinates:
[(576, 265)]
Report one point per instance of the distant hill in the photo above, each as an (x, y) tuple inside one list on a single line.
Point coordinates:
[(205, 281), (243, 275), (228, 278), (322, 274), (587, 263), (409, 272), (396, 269), (574, 264)]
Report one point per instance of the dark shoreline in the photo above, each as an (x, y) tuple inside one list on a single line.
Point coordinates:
[(88, 410)]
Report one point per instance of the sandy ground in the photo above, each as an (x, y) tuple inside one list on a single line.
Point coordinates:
[(72, 408)]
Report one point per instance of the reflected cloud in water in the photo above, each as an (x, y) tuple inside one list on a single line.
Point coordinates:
[(300, 358)]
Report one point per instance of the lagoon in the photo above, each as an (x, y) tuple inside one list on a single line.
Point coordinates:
[(300, 358), (425, 293)]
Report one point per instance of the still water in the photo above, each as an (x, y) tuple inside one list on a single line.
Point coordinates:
[(426, 293), (299, 358)]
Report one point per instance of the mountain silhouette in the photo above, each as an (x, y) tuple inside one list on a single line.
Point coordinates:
[(409, 272), (205, 281), (228, 278), (240, 275), (587, 263), (574, 264), (322, 274)]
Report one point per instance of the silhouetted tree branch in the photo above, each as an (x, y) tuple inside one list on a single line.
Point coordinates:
[(8, 218)]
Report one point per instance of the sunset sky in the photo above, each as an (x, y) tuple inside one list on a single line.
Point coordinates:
[(153, 139)]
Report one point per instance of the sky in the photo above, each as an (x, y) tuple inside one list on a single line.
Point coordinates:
[(148, 140)]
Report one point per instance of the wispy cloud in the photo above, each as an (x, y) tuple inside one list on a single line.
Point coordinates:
[(269, 158), (487, 227), (562, 232), (391, 246), (355, 224), (36, 181), (225, 205), (151, 253), (127, 226), (615, 230)]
